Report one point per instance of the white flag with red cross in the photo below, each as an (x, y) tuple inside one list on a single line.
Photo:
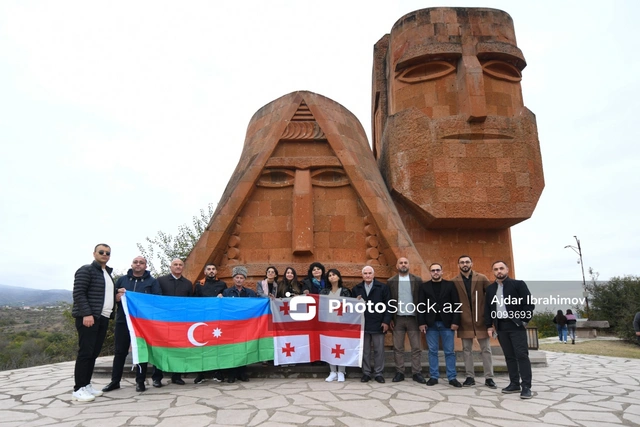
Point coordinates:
[(317, 327)]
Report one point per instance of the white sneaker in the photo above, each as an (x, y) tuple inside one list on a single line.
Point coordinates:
[(340, 377), (82, 395), (332, 377), (93, 391)]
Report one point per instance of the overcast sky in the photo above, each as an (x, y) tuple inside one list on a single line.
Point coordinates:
[(122, 118)]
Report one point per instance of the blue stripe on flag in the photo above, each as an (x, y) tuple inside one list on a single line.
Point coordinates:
[(191, 309)]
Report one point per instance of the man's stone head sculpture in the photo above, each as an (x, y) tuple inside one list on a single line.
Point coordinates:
[(454, 141)]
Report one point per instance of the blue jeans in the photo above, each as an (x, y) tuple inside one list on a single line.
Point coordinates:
[(562, 333), (446, 334)]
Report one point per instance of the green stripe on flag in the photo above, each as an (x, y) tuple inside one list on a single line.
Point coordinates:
[(206, 358)]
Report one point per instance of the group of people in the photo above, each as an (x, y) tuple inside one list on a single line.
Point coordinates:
[(470, 304), (566, 324), (474, 307)]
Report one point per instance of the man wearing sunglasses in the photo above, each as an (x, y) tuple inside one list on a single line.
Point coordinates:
[(94, 298), (439, 318)]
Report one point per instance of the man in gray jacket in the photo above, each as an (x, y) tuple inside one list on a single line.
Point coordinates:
[(404, 289)]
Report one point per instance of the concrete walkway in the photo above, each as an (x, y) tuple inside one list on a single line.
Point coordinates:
[(573, 390)]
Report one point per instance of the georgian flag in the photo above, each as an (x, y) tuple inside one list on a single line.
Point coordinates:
[(291, 349), (332, 333)]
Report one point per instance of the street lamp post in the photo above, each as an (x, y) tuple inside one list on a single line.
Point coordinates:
[(578, 250)]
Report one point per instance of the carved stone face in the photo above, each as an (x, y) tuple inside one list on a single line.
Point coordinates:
[(456, 62), (458, 145), (306, 188)]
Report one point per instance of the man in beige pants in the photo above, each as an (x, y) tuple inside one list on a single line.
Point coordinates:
[(471, 287), (404, 292)]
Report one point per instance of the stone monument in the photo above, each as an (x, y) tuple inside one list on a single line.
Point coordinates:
[(455, 162), (307, 188), (457, 148)]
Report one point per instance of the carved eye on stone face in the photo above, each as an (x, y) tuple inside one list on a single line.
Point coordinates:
[(276, 178), (502, 70), (329, 177), (427, 71)]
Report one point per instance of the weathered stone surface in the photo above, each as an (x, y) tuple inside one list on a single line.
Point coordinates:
[(305, 197), (455, 162), (456, 145), (407, 403)]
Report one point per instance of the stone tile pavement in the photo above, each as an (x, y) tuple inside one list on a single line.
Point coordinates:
[(573, 390)]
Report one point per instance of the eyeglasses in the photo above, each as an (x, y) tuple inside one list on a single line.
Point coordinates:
[(464, 262), (101, 252), (436, 270)]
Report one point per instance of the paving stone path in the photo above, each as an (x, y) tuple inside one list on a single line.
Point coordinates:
[(574, 390)]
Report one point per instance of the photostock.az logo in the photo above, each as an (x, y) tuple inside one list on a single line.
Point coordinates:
[(301, 300)]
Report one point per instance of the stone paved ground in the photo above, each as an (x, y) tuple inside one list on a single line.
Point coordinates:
[(574, 390)]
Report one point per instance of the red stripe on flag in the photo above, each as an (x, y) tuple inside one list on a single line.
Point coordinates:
[(313, 327), (200, 334)]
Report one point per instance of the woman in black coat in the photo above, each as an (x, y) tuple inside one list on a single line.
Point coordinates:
[(289, 285), (315, 280)]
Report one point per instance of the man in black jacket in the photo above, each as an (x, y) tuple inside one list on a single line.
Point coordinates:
[(175, 285), (93, 304), (210, 286), (439, 318), (376, 323), (137, 279), (508, 309)]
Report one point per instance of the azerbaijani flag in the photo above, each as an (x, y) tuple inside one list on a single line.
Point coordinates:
[(182, 334)]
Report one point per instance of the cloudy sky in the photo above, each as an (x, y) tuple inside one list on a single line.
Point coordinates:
[(119, 119)]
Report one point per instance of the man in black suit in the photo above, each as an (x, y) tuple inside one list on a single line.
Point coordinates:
[(376, 323), (175, 285), (508, 309), (439, 318)]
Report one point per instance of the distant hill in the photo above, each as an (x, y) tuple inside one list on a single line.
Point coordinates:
[(16, 296)]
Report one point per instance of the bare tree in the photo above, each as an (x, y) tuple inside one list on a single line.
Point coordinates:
[(164, 247)]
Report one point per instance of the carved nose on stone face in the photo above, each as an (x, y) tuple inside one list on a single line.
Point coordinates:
[(302, 214), (471, 97)]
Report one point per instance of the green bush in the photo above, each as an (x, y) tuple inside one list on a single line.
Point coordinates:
[(616, 301), (543, 320)]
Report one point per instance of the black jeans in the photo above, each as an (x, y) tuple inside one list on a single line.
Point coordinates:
[(90, 342), (123, 341), (513, 340)]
